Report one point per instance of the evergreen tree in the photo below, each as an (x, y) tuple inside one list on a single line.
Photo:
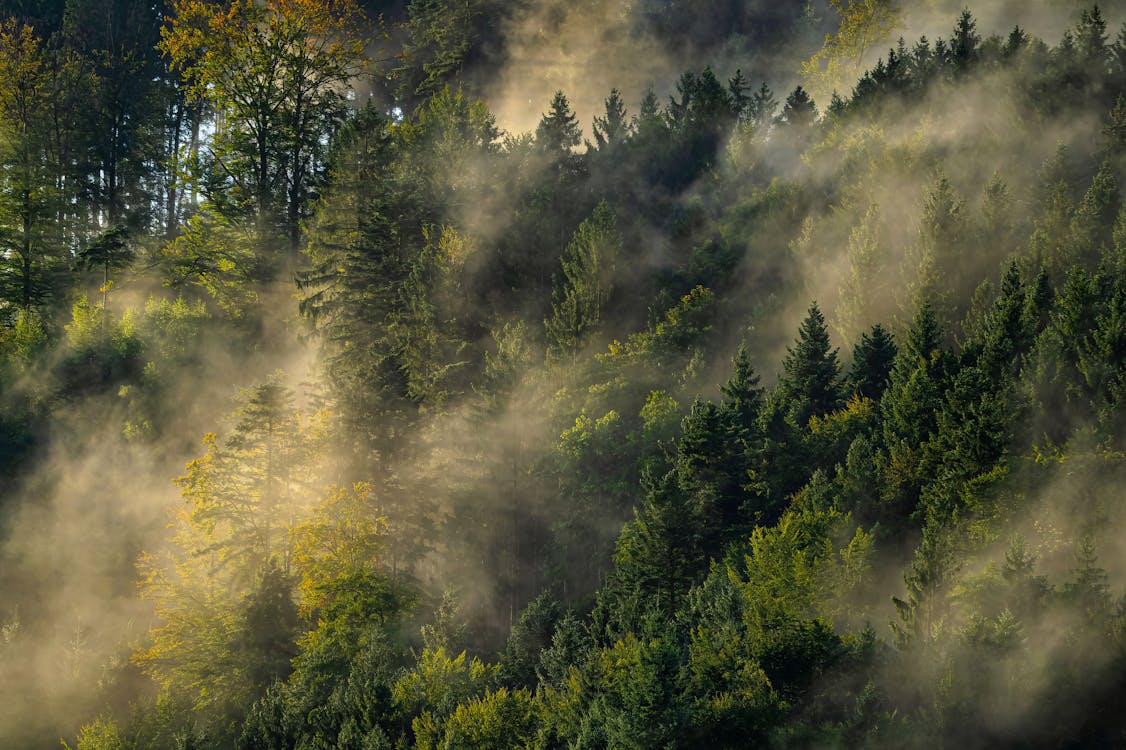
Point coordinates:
[(965, 42), (763, 107), (614, 127), (799, 111), (267, 638), (742, 396), (659, 556), (558, 131), (872, 361), (1093, 222), (808, 386), (939, 252), (910, 408), (1008, 333), (737, 92), (580, 296)]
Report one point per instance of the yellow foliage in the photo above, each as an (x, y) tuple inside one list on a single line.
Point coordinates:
[(344, 534), (840, 61)]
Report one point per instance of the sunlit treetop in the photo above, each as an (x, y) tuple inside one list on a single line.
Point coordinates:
[(245, 48)]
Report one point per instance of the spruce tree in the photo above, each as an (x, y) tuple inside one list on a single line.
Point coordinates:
[(1092, 226), (614, 127), (558, 131), (763, 107), (737, 92), (809, 384), (799, 111), (743, 397), (872, 362), (965, 42), (581, 292)]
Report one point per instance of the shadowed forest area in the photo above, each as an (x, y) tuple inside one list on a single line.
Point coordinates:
[(541, 374)]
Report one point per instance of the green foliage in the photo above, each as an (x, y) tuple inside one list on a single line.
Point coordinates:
[(614, 127), (715, 560), (500, 719), (863, 25), (215, 256), (580, 297), (809, 384), (280, 72), (558, 131), (872, 362)]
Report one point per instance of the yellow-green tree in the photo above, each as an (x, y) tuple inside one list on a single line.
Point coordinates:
[(27, 186), (840, 61), (278, 73), (228, 563)]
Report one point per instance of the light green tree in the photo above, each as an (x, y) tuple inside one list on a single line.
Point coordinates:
[(580, 296), (840, 61)]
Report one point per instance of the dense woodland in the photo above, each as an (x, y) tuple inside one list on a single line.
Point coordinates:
[(783, 412)]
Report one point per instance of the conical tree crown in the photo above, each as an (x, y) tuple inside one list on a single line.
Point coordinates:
[(559, 128), (810, 369)]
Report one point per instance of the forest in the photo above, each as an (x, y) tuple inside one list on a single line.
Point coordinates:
[(385, 374)]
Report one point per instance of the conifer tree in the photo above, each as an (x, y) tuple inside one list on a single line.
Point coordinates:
[(1007, 334), (614, 127), (558, 131), (965, 42), (581, 293), (872, 361), (742, 395), (862, 283), (659, 554), (799, 111), (763, 107), (809, 386), (737, 92), (1092, 225), (937, 253)]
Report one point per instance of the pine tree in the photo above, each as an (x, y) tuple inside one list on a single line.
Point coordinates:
[(799, 112), (659, 554), (809, 386), (1007, 336), (863, 284), (558, 131), (763, 108), (997, 224), (742, 395), (737, 92), (267, 636), (938, 252), (1093, 223), (922, 613), (872, 362), (614, 127), (1015, 43), (580, 294), (1091, 47), (910, 407), (965, 42)]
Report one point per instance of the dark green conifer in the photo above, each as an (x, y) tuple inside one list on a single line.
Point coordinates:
[(872, 361), (799, 111), (559, 131), (613, 127), (809, 384)]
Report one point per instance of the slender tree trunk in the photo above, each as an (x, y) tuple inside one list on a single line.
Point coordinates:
[(26, 248), (170, 208), (193, 147)]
